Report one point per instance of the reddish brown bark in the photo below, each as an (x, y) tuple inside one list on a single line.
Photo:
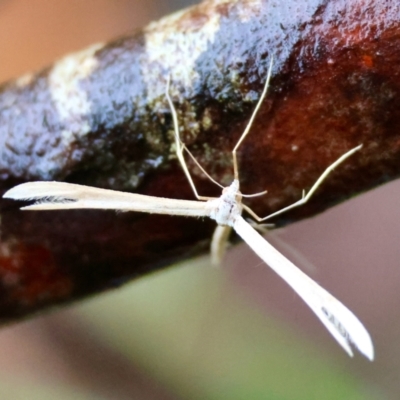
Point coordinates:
[(335, 85)]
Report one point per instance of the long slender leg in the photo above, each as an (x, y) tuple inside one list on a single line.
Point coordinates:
[(221, 233), (250, 123), (307, 196), (178, 143), (218, 243), (201, 168), (180, 146)]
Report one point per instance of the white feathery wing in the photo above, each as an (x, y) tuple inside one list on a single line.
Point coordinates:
[(66, 196), (338, 319), (345, 327)]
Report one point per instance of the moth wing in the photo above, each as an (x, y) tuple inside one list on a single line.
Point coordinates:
[(64, 196), (344, 326)]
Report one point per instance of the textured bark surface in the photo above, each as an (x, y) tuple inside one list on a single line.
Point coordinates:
[(100, 118)]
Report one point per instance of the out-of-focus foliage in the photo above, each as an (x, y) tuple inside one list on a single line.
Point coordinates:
[(189, 327)]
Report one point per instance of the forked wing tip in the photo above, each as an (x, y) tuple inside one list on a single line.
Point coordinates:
[(348, 330), (24, 191), (366, 349), (353, 334), (10, 194), (47, 195)]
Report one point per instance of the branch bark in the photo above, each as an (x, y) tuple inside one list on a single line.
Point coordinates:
[(100, 118)]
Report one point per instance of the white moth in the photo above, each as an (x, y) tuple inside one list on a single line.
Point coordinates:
[(227, 212)]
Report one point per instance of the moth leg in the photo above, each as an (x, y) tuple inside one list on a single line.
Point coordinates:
[(219, 243), (306, 197), (180, 148), (250, 123)]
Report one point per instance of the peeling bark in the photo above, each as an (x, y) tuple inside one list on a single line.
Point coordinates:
[(100, 118)]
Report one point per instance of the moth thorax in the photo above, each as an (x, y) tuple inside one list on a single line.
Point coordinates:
[(228, 207)]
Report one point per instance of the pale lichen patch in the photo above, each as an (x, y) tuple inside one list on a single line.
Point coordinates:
[(173, 47), (186, 44), (164, 38), (71, 100)]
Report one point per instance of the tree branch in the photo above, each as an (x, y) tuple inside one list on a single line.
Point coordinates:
[(101, 118)]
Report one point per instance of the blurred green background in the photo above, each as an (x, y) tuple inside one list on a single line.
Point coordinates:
[(193, 331)]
